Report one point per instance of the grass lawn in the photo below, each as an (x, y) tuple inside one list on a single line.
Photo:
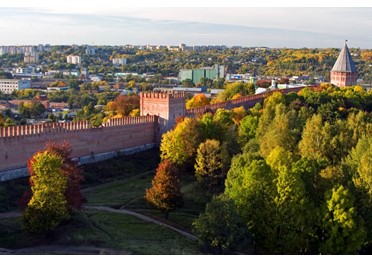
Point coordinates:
[(10, 192), (117, 183), (129, 194), (98, 229), (120, 168), (94, 174)]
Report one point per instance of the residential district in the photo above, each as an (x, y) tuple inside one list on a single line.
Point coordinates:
[(53, 75)]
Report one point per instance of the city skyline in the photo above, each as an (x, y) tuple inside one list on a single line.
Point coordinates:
[(292, 27)]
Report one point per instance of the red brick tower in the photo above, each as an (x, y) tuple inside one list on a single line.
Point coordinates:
[(344, 72), (166, 105)]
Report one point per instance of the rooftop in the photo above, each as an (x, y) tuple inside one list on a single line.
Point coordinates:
[(344, 62)]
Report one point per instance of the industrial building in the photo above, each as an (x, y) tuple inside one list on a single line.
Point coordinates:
[(214, 72)]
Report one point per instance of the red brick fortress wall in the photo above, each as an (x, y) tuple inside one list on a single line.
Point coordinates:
[(19, 143), (246, 102)]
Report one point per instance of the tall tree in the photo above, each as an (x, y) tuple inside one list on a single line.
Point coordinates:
[(220, 229), (165, 193), (209, 164), (179, 145), (48, 206), (247, 129), (278, 133), (70, 170), (294, 215), (250, 185), (343, 230), (358, 164)]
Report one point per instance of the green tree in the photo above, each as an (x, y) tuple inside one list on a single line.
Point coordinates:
[(343, 230), (314, 139), (48, 206), (294, 215), (180, 144), (279, 133), (220, 230), (360, 162), (358, 165), (209, 165), (247, 129), (224, 118), (165, 193), (268, 114), (250, 184), (330, 141), (1, 120), (233, 89), (209, 129), (188, 83), (208, 159), (9, 122)]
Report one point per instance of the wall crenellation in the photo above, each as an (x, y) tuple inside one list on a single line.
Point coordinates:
[(163, 95), (47, 128)]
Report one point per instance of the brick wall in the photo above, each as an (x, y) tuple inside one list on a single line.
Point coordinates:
[(18, 144), (159, 112)]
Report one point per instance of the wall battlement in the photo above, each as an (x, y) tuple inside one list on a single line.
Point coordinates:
[(48, 128), (163, 95), (18, 144)]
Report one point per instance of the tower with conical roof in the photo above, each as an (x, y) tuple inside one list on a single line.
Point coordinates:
[(344, 72)]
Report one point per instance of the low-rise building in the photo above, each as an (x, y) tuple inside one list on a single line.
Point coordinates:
[(7, 86)]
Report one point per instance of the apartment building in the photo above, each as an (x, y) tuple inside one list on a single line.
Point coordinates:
[(119, 61), (73, 59), (7, 86)]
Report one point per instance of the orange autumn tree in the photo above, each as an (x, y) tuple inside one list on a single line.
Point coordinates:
[(122, 105), (165, 193)]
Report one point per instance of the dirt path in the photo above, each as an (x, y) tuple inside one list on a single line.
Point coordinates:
[(142, 217), (10, 214), (62, 250), (122, 211), (72, 250), (84, 250)]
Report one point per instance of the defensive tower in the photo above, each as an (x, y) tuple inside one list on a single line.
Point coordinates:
[(166, 105), (344, 72)]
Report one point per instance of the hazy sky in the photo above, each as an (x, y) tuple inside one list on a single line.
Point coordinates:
[(106, 23)]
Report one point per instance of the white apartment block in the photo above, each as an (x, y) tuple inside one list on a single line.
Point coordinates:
[(73, 59), (7, 86), (119, 61)]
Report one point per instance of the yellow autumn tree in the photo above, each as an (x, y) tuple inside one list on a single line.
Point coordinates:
[(197, 101), (48, 205)]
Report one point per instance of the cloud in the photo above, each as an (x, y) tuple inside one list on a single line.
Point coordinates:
[(274, 27)]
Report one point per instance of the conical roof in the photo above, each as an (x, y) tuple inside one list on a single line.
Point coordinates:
[(344, 62)]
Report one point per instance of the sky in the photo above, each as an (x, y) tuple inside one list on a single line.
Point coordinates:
[(231, 23)]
